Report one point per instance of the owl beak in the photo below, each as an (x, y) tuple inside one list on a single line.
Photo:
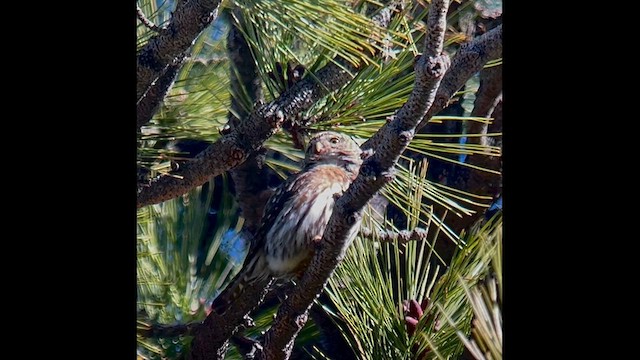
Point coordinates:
[(318, 147)]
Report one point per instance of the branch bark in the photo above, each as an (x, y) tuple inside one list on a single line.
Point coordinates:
[(166, 50), (210, 342), (375, 172), (149, 104), (148, 23)]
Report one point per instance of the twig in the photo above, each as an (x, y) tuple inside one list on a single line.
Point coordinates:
[(402, 237), (470, 58), (144, 20), (376, 171)]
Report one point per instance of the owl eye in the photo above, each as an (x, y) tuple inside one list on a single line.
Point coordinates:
[(334, 140)]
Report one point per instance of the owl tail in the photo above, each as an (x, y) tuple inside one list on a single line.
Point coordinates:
[(254, 272)]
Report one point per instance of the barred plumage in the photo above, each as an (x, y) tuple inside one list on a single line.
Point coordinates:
[(296, 215)]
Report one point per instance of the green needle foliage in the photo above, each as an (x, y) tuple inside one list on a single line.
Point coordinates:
[(371, 287), (486, 301), (188, 247), (182, 259)]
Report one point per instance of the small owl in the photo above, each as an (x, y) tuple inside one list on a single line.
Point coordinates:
[(296, 215)]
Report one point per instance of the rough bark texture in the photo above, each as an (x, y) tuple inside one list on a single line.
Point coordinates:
[(376, 171), (149, 104), (166, 50)]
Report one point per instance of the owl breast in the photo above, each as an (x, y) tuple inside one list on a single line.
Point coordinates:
[(313, 193)]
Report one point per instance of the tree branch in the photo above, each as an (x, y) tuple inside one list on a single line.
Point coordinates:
[(210, 342), (376, 171), (468, 60), (486, 98), (144, 20), (167, 49), (147, 107), (402, 237), (233, 148)]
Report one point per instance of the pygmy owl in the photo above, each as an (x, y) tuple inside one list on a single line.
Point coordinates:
[(296, 215)]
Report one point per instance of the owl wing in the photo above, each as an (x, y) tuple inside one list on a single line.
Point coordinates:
[(274, 206)]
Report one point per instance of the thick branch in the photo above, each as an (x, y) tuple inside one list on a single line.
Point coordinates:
[(376, 171), (167, 49), (233, 148), (151, 102), (468, 60), (402, 237), (486, 99), (210, 341)]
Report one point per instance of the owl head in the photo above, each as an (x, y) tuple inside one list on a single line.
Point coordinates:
[(329, 147)]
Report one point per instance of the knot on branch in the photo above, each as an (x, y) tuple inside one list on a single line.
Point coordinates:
[(352, 219), (302, 319), (273, 115), (405, 137), (437, 66), (389, 175), (248, 321)]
